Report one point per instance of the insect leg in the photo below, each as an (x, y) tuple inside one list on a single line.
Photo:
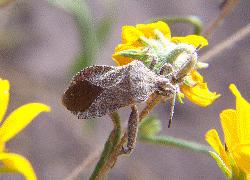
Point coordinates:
[(132, 130)]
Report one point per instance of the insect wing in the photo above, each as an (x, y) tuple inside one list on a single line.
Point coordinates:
[(99, 90), (82, 90)]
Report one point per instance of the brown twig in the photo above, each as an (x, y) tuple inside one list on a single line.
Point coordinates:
[(226, 9), (86, 163), (233, 39)]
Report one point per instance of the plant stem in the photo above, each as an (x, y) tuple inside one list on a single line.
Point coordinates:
[(101, 170), (176, 142), (226, 44), (221, 164), (114, 144), (193, 20), (153, 100), (226, 9), (89, 43)]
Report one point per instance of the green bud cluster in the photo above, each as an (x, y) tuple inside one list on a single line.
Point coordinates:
[(160, 51)]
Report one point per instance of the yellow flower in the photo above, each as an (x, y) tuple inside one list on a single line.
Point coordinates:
[(199, 94), (12, 125), (236, 128), (133, 38)]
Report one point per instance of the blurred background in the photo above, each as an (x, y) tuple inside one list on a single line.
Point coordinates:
[(42, 44)]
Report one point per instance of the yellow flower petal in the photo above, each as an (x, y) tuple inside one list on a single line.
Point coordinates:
[(196, 76), (148, 29), (229, 125), (17, 163), (4, 97), (2, 146), (242, 157), (19, 119), (199, 94), (236, 128), (213, 139), (121, 60), (243, 113), (194, 40), (130, 34)]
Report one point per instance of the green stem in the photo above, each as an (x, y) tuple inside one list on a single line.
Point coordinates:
[(89, 43), (176, 142), (101, 170), (221, 164), (193, 20)]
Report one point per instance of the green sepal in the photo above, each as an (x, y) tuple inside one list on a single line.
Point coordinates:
[(221, 164), (201, 65), (134, 54)]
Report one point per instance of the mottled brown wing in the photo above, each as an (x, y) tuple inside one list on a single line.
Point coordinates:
[(82, 92), (108, 91)]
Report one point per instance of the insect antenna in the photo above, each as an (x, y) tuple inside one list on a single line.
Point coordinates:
[(172, 105)]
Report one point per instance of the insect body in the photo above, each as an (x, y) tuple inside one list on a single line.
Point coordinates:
[(100, 90)]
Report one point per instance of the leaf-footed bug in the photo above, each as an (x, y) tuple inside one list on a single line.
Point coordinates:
[(99, 90)]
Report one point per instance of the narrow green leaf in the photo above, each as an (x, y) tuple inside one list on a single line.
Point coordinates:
[(84, 21), (104, 28)]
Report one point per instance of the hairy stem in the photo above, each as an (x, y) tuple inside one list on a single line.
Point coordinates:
[(151, 103), (176, 142), (221, 164), (102, 166)]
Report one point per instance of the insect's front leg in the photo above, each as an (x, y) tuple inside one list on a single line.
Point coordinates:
[(132, 130)]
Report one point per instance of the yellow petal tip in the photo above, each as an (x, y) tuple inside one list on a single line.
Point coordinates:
[(234, 90)]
